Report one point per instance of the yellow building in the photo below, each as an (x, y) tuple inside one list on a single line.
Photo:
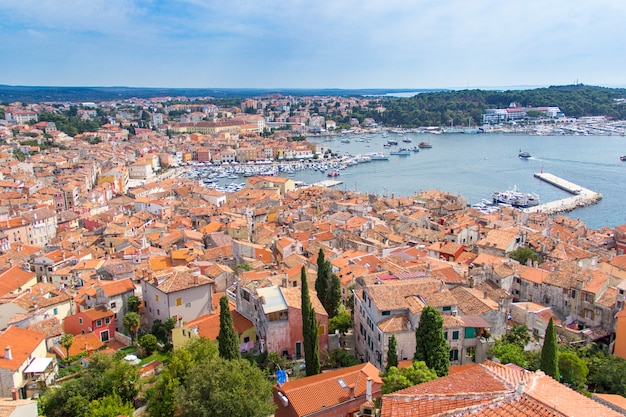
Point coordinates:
[(208, 326)]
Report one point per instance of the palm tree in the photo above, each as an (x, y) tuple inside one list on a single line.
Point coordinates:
[(67, 340), (132, 321)]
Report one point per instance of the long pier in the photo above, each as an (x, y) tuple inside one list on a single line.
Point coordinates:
[(581, 196)]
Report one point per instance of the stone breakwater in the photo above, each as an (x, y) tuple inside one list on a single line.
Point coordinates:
[(581, 196)]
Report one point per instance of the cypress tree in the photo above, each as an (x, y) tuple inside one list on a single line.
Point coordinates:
[(392, 354), (333, 296), (309, 329), (549, 353), (321, 282), (430, 344), (227, 339)]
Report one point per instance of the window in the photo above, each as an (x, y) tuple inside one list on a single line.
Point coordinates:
[(447, 308), (573, 294), (107, 320), (386, 313), (535, 285), (112, 305), (156, 297), (55, 311), (321, 330), (158, 312), (455, 335), (246, 339), (470, 332), (98, 323), (245, 295), (184, 332), (80, 320), (445, 335), (454, 355), (589, 298), (188, 305), (179, 302), (518, 280)]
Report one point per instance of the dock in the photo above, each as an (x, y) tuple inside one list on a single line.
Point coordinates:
[(565, 185), (328, 183), (581, 196)]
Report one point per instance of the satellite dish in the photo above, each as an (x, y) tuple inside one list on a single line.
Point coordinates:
[(281, 376)]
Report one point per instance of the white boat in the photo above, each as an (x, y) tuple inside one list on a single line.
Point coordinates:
[(378, 156), (516, 198), (401, 152)]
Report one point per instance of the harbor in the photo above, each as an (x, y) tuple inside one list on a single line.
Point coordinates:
[(581, 196)]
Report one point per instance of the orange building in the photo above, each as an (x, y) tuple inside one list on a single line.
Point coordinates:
[(619, 348)]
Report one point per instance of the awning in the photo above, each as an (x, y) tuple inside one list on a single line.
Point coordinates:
[(38, 365)]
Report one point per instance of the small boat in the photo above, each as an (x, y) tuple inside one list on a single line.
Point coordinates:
[(392, 142), (379, 156), (424, 145), (401, 152), (523, 154), (406, 140), (622, 158), (345, 140), (415, 149), (333, 173)]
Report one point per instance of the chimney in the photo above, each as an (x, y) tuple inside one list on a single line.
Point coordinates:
[(8, 355), (485, 295), (368, 390)]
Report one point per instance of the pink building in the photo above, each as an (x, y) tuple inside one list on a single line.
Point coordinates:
[(99, 320)]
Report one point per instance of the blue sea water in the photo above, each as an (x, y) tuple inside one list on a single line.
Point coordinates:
[(475, 165)]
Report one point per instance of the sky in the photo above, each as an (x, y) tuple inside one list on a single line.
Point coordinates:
[(312, 44)]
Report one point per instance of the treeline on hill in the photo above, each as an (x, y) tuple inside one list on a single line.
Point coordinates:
[(460, 107)]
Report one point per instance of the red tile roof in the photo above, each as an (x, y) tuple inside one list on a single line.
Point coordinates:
[(491, 389), (314, 393), (22, 343)]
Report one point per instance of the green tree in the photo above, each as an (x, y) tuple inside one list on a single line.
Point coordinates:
[(132, 321), (395, 379), (224, 388), (392, 353), (333, 296), (67, 340), (133, 303), (110, 406), (227, 339), (106, 375), (309, 329), (518, 335), (573, 370), (323, 276), (430, 344), (162, 396), (549, 353), (341, 322), (508, 352), (340, 358), (523, 254), (149, 343)]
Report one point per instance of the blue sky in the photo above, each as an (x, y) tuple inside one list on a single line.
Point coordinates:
[(312, 44)]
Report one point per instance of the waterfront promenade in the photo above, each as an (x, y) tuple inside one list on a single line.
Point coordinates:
[(581, 196)]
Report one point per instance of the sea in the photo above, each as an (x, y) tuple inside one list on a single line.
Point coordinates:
[(476, 165)]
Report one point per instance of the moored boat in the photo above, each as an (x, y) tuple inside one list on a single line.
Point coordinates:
[(333, 173), (401, 152), (622, 158), (516, 198), (523, 154), (424, 145)]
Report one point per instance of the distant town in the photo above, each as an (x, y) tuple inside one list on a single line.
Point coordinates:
[(120, 248)]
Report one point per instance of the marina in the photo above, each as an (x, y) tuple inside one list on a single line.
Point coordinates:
[(469, 165)]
